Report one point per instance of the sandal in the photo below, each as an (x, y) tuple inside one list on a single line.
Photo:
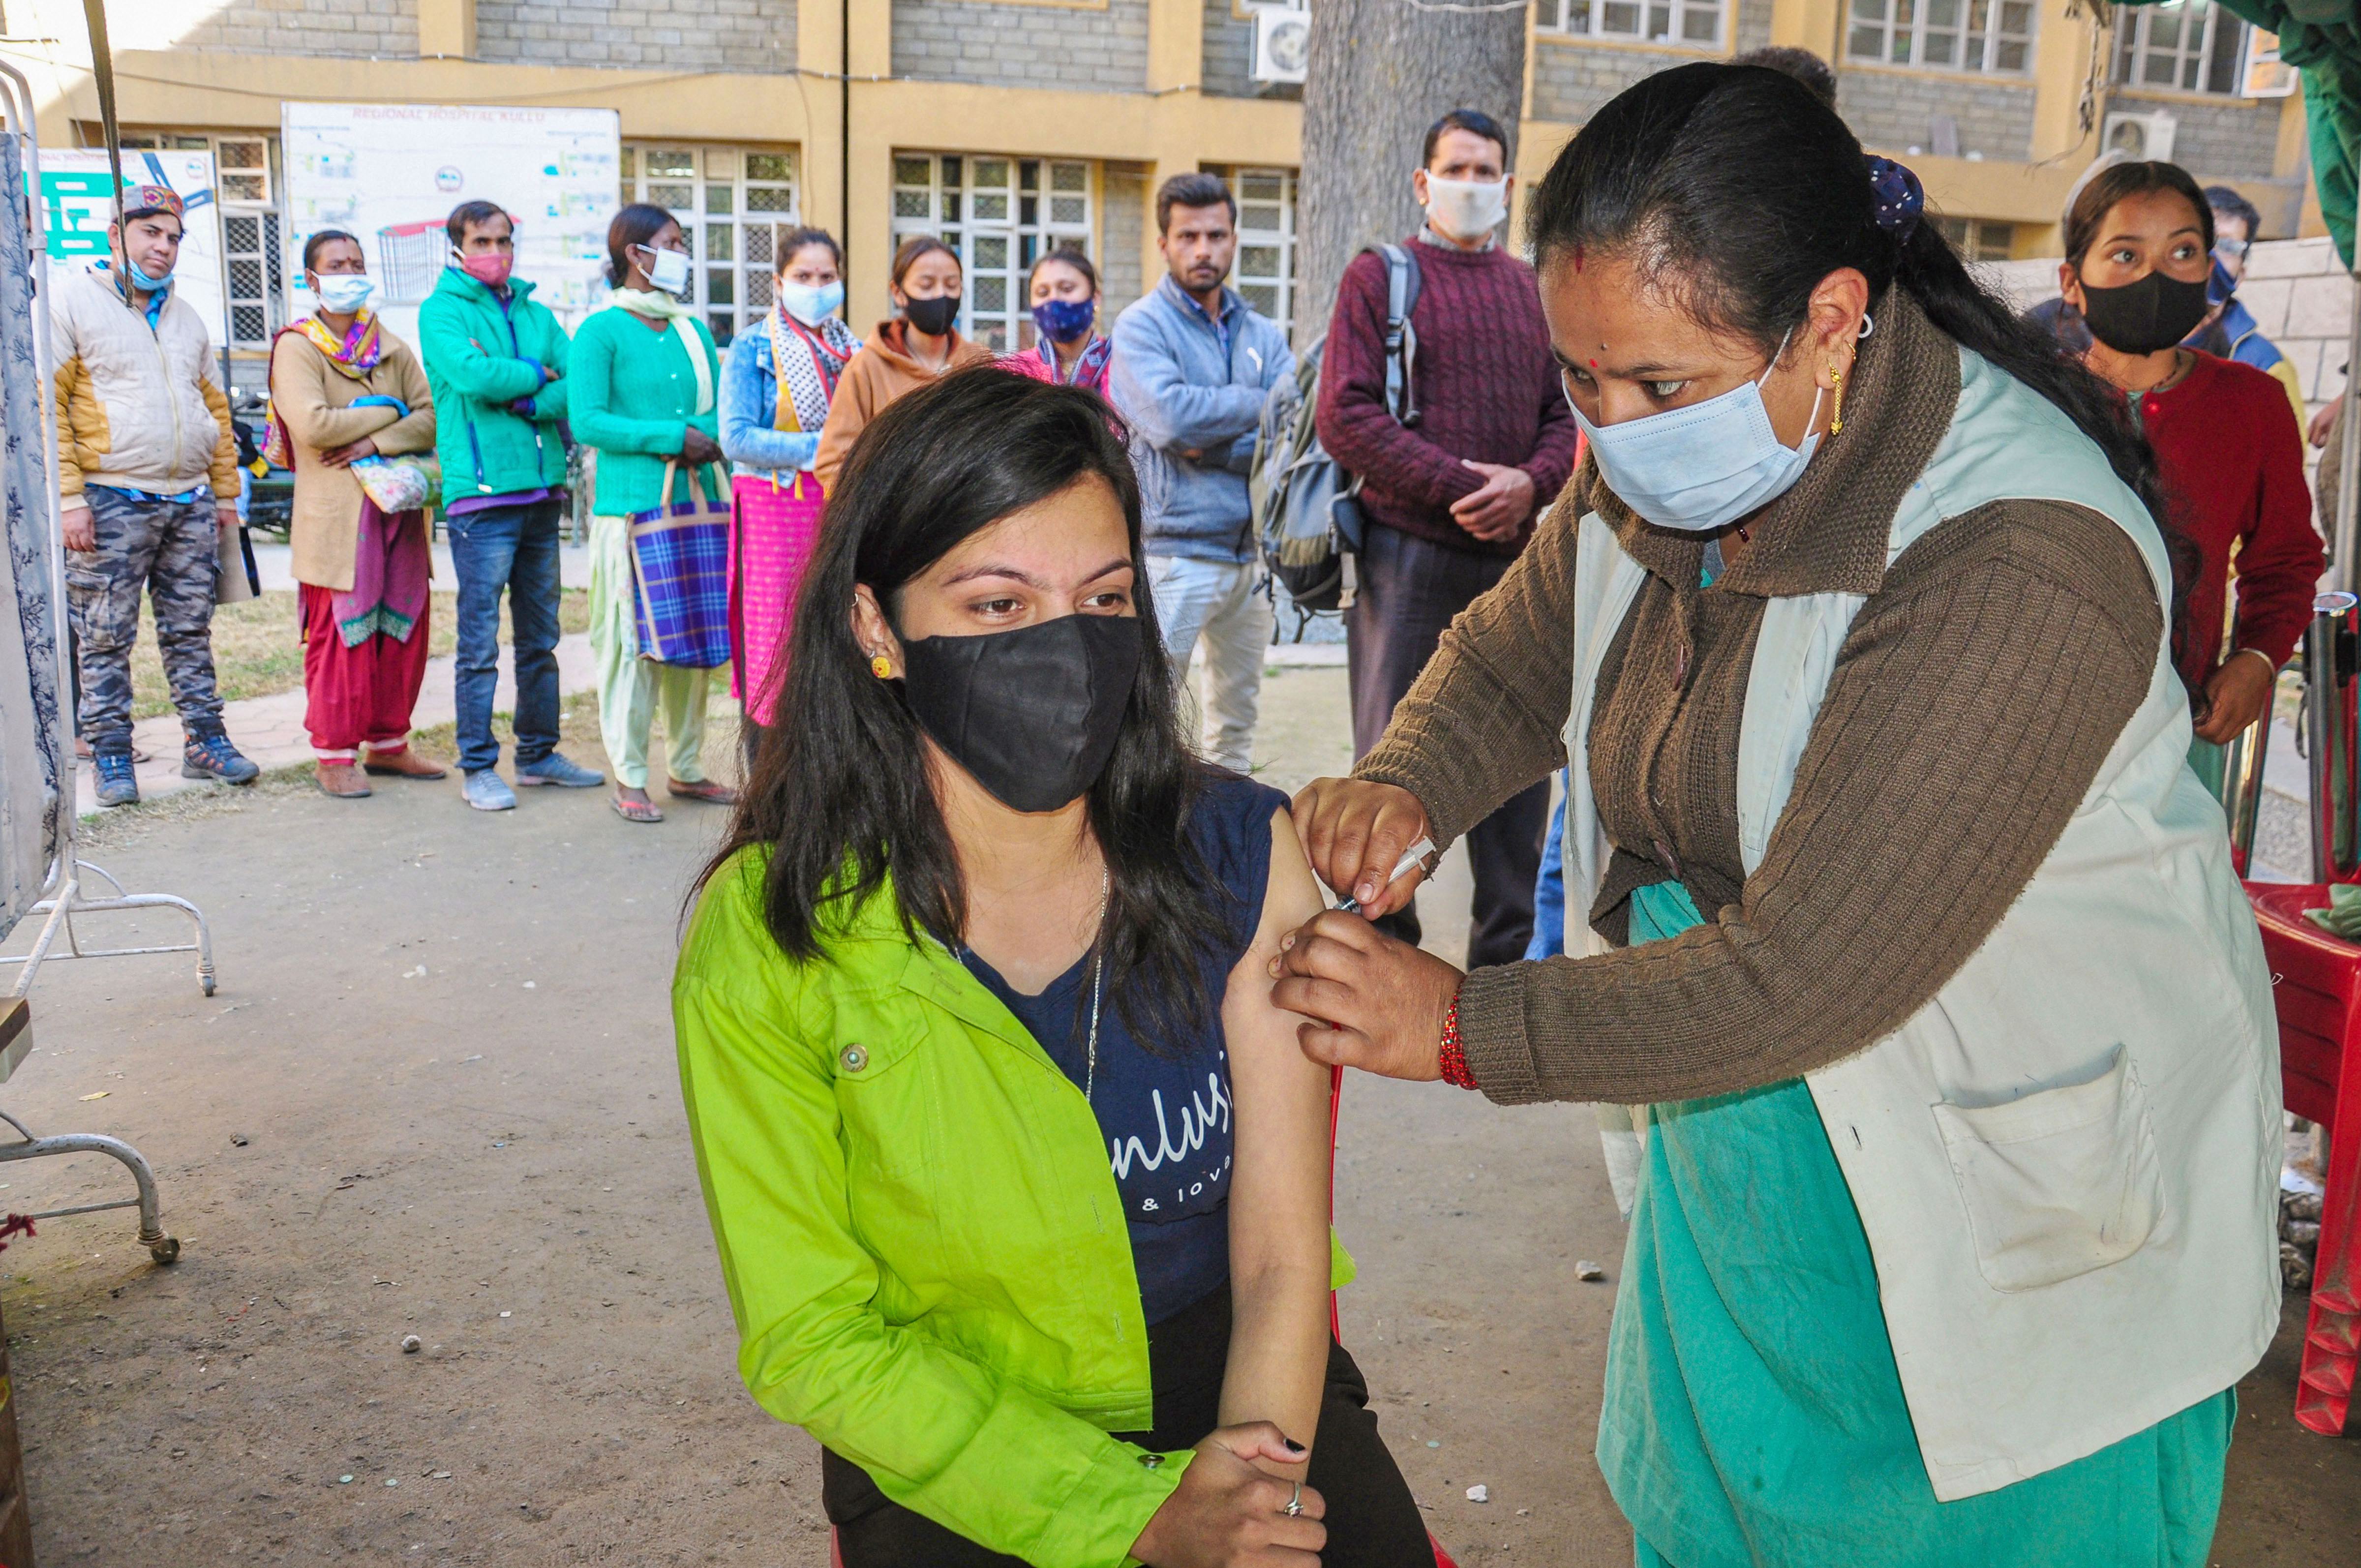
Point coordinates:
[(706, 790), (636, 810)]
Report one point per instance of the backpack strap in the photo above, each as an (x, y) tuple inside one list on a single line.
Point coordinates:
[(1402, 285)]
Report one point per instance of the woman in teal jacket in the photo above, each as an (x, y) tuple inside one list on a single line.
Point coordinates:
[(644, 375), (976, 1039)]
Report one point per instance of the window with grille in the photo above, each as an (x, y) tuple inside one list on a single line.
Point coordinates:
[(1978, 240), (1991, 35), (2192, 45), (734, 203), (1265, 273), (1000, 214), (251, 255), (1694, 22)]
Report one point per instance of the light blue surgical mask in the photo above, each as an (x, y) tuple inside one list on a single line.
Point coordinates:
[(140, 280), (810, 304), (342, 293), (1702, 468)]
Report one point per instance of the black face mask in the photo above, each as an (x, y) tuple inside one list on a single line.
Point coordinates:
[(2142, 317), (1032, 713), (933, 317)]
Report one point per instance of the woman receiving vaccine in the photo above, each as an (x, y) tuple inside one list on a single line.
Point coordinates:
[(1019, 1181), (1064, 290), (776, 387)]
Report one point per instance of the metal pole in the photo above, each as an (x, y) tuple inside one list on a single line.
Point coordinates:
[(2344, 571), (101, 70), (2323, 699)]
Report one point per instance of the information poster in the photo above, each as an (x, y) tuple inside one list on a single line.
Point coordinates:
[(390, 174), (76, 207)]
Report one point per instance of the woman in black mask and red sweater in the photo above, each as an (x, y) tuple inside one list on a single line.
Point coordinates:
[(1019, 1179), (2139, 245)]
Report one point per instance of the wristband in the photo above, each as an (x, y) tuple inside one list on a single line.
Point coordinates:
[(1454, 1057)]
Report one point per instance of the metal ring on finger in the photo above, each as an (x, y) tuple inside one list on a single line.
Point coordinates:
[(1294, 1508)]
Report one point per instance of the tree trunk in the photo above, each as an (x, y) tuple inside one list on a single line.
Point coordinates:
[(1381, 72)]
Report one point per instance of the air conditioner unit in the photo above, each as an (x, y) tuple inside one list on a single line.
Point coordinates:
[(2143, 138), (1282, 37)]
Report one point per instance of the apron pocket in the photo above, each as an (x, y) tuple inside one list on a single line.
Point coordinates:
[(2058, 1183)]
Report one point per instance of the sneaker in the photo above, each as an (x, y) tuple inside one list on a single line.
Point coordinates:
[(487, 791), (117, 784), (210, 756), (555, 770)]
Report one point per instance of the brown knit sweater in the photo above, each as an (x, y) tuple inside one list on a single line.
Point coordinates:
[(1982, 685)]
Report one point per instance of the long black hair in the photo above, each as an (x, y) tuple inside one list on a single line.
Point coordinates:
[(1737, 190), (839, 791)]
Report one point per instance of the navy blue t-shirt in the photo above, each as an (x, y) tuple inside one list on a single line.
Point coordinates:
[(1166, 1114)]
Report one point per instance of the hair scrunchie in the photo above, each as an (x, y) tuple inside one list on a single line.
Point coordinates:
[(1900, 197)]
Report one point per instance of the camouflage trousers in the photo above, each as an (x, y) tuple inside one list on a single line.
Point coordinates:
[(171, 550)]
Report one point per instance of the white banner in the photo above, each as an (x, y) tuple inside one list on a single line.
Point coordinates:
[(390, 174)]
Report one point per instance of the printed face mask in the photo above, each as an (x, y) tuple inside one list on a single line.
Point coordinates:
[(342, 293), (933, 317), (1466, 209), (667, 269), (2145, 315), (1063, 321), (1032, 713), (490, 267), (810, 304), (1702, 468)]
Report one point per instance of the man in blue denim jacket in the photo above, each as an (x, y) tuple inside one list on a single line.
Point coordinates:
[(1194, 364)]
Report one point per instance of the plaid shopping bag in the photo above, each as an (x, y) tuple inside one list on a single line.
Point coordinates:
[(680, 560)]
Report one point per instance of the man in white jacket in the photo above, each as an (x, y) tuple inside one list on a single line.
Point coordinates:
[(146, 465)]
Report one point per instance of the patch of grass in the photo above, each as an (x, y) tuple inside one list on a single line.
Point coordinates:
[(258, 650)]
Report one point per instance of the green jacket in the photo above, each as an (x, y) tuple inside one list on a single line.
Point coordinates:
[(633, 400), (919, 1230), (481, 359)]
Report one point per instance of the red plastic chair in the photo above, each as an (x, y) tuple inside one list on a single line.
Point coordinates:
[(2317, 993), (1335, 1102)]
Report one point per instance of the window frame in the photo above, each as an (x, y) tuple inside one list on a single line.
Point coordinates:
[(1588, 21), (1911, 19), (1276, 286), (724, 171), (996, 251), (266, 297), (2134, 50)]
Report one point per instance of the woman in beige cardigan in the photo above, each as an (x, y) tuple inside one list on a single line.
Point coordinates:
[(345, 395)]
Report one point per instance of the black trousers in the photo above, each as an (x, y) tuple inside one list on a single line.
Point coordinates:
[(1409, 590), (1372, 1522)]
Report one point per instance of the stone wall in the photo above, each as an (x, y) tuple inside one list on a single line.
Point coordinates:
[(368, 28), (1229, 57), (1123, 221), (1093, 49), (1571, 80), (1895, 110), (2236, 138), (671, 34)]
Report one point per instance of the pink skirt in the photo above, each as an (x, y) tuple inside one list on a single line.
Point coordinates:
[(773, 528)]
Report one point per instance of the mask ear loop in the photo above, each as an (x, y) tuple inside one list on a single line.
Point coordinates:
[(1816, 392)]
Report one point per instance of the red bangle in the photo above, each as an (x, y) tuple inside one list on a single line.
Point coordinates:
[(1454, 1055)]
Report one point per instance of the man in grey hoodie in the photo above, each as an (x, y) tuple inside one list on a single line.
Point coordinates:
[(1194, 364)]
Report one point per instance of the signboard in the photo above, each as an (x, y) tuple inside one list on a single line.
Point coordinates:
[(390, 175), (76, 209)]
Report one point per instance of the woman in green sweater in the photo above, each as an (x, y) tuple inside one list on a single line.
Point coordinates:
[(644, 376)]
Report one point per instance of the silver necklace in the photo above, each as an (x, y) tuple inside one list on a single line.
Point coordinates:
[(1098, 974)]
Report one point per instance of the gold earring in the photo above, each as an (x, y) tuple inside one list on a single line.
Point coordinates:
[(882, 667), (1836, 419)]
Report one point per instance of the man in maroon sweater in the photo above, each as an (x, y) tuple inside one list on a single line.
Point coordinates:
[(1451, 499)]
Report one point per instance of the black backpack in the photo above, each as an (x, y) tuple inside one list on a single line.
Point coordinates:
[(1304, 508)]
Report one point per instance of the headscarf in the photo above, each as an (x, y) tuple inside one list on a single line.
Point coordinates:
[(654, 305), (354, 355), (804, 364)]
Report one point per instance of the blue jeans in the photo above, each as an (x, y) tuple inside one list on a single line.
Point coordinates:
[(511, 548)]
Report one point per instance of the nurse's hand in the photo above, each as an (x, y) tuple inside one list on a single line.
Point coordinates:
[(1356, 832), (1228, 1514), (1375, 1003)]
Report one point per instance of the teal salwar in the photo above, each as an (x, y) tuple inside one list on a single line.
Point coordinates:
[(1753, 1414)]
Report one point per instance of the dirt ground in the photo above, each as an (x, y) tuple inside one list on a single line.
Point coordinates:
[(436, 1096)]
